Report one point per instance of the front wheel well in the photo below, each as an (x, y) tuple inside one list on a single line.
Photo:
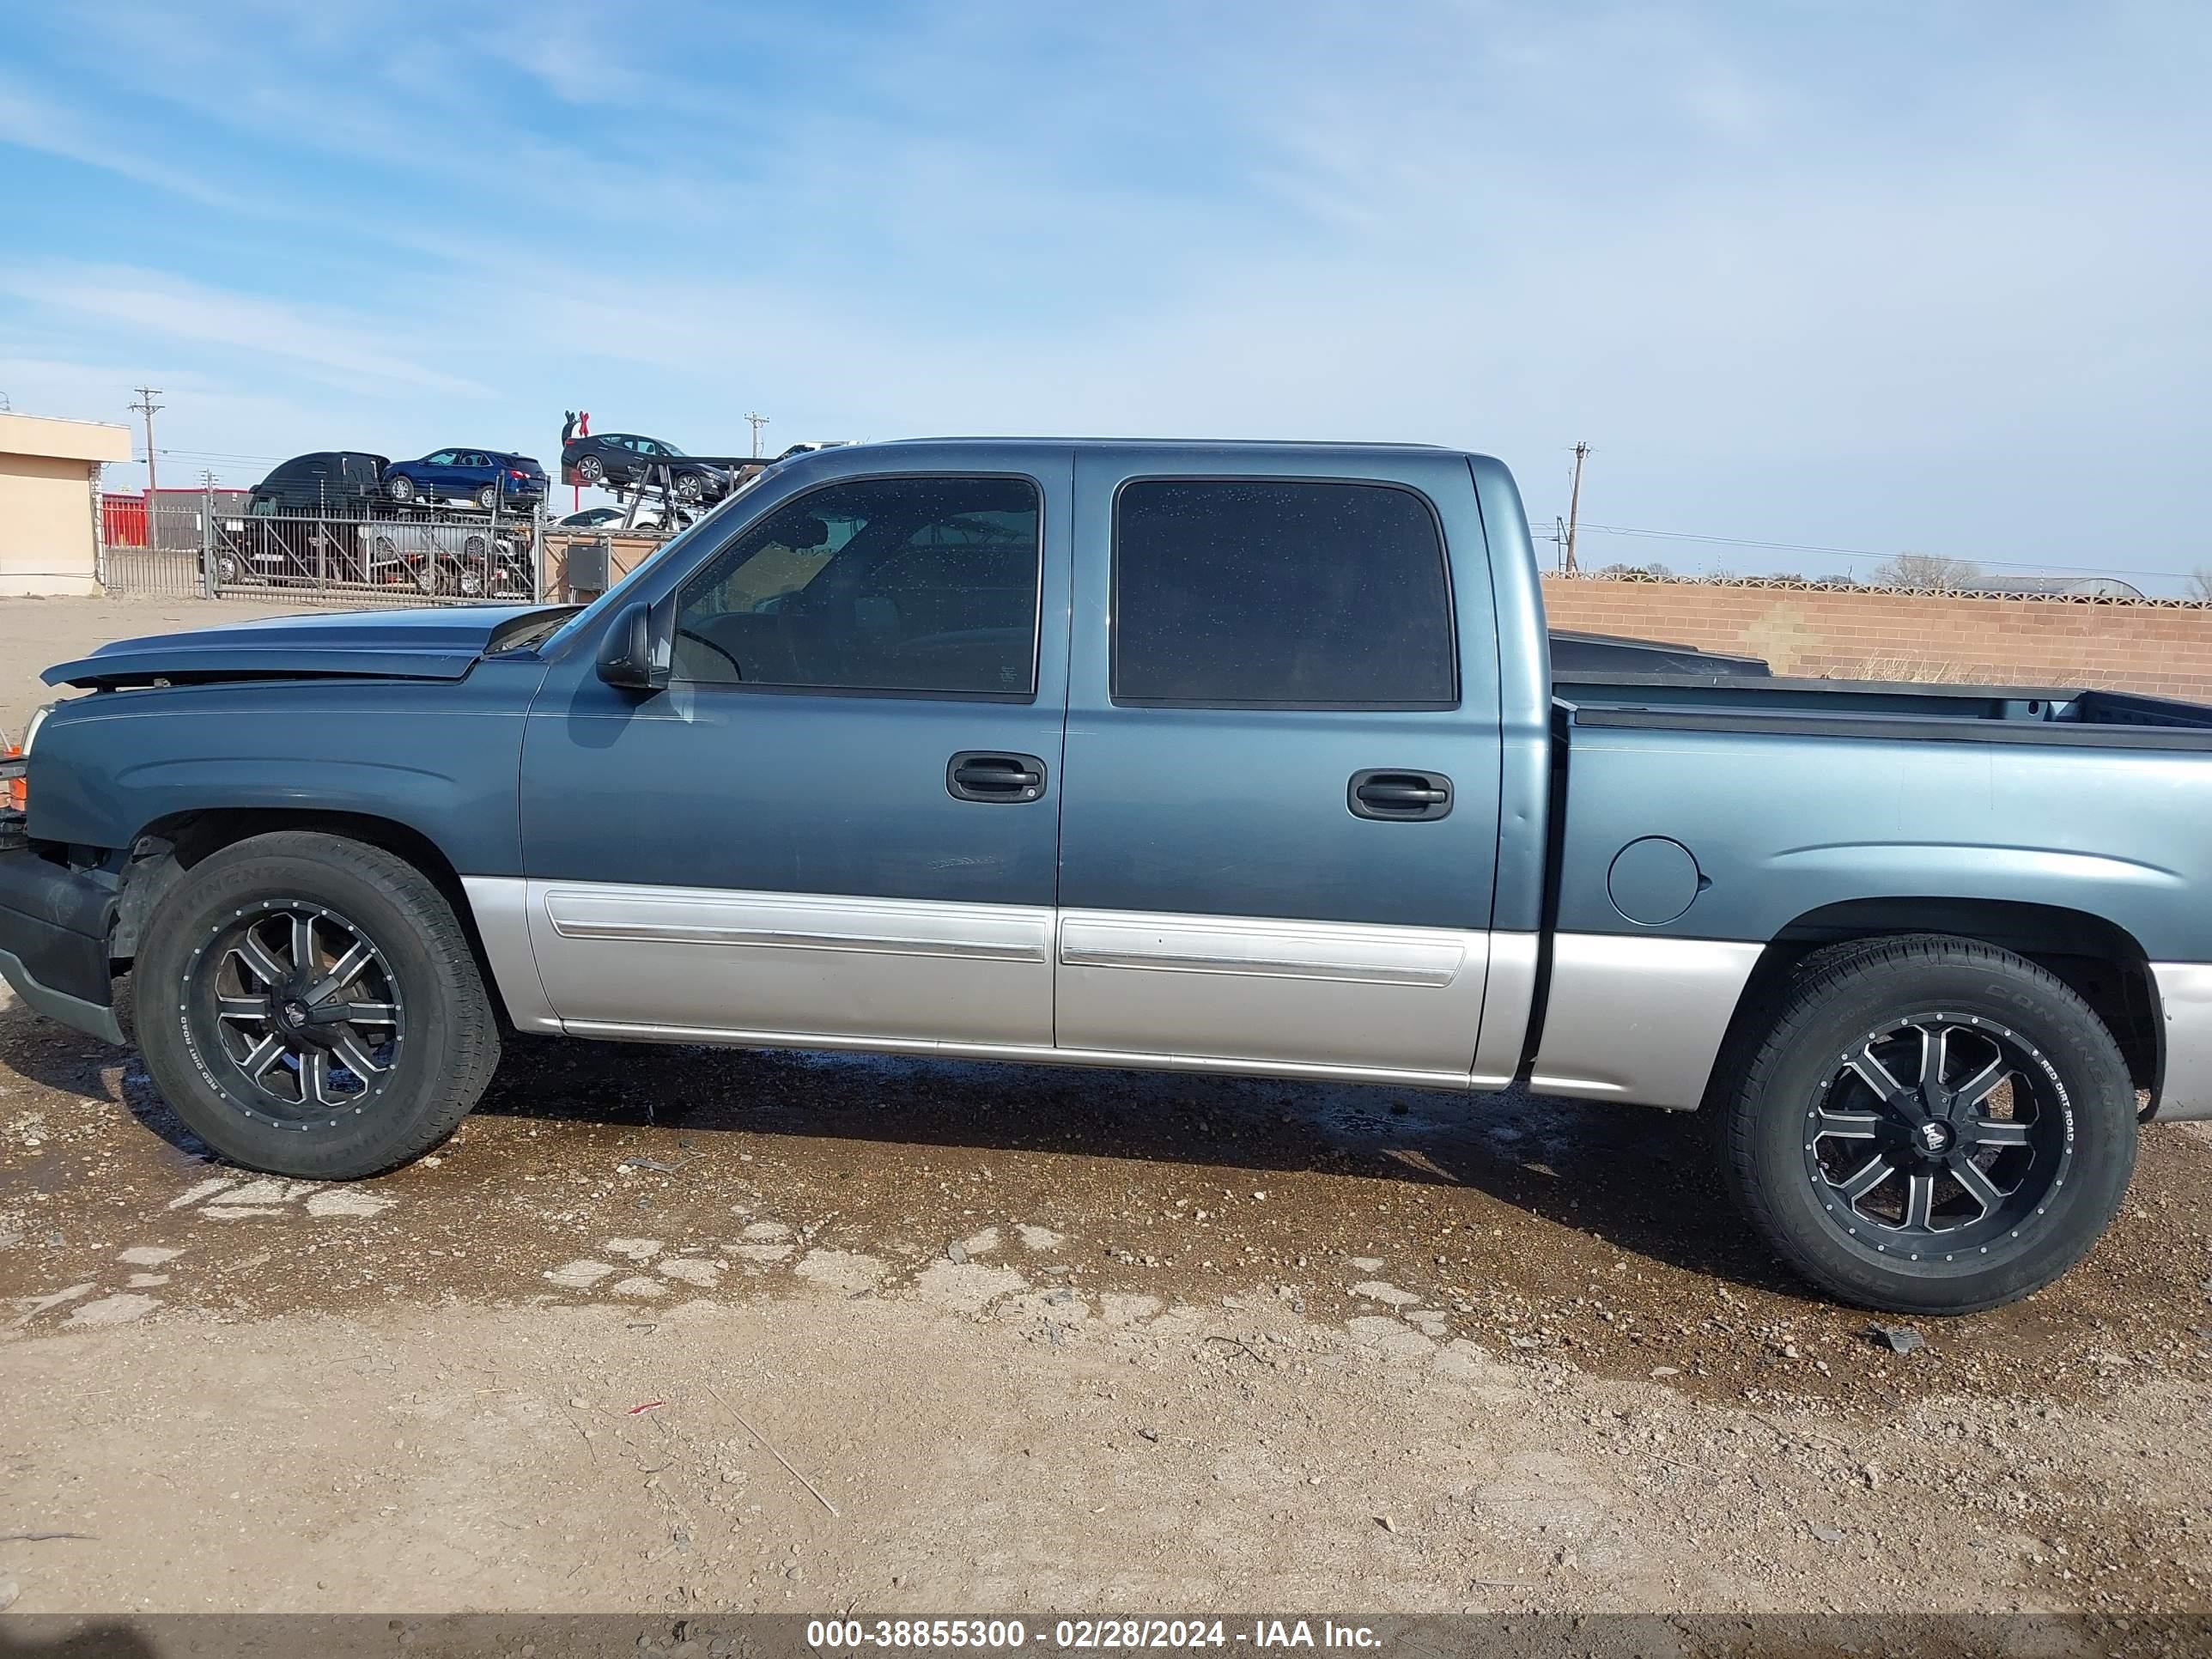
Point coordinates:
[(165, 849), (2100, 961)]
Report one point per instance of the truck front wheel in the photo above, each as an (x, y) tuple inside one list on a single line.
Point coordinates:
[(310, 1006), (1932, 1126)]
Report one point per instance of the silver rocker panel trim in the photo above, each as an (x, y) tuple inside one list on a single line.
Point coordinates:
[(1507, 1000), (2185, 996), (1130, 1059), (1359, 997), (1639, 1019), (1261, 948), (833, 964), (501, 905), (798, 921)]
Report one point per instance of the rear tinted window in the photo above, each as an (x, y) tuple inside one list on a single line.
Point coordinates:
[(1245, 592)]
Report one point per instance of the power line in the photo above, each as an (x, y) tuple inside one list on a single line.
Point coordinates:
[(1737, 541), (216, 455)]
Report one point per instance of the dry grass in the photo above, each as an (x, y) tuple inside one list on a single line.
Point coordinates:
[(1902, 668), (1950, 671)]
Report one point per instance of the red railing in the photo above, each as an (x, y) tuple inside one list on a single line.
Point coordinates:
[(123, 520)]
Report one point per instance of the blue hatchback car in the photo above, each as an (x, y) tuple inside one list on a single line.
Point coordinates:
[(485, 476)]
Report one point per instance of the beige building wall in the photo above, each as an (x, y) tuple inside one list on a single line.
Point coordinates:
[(49, 527)]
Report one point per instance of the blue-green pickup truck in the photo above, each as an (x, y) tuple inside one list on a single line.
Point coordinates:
[(1237, 758)]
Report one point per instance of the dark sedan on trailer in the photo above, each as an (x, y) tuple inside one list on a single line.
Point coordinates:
[(623, 459), (487, 477)]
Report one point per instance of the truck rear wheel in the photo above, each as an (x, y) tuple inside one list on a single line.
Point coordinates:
[(310, 1006), (1932, 1126)]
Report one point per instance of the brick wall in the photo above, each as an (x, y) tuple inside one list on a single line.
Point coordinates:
[(1879, 636)]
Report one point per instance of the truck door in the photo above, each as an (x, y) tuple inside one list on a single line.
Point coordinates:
[(839, 823), (1280, 825)]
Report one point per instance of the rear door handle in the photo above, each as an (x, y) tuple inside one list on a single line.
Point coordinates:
[(1394, 796), (983, 775)]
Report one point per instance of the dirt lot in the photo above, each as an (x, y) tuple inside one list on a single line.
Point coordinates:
[(1039, 1338), (36, 633), (678, 1331)]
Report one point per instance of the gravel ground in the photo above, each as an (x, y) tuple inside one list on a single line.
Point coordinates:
[(1039, 1339)]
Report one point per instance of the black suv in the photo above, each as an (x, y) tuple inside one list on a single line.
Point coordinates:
[(341, 481)]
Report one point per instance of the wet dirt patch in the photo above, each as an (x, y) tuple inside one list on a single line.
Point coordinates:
[(1593, 1237)]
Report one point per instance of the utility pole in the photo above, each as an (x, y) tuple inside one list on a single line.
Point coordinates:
[(149, 408), (1575, 503), (758, 421)]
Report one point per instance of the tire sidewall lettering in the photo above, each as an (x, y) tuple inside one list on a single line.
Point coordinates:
[(2070, 1059)]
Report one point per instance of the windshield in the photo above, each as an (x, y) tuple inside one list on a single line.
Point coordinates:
[(667, 446), (676, 546)]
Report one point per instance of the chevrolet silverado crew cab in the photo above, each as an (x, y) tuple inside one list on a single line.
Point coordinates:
[(1234, 758)]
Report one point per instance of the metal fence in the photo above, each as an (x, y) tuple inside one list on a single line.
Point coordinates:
[(2078, 588), (203, 548), (154, 550)]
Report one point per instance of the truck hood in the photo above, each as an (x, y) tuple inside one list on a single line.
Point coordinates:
[(439, 644)]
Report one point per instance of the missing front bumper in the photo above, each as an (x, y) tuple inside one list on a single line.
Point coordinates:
[(54, 928)]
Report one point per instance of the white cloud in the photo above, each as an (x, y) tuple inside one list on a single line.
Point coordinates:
[(31, 121), (342, 350)]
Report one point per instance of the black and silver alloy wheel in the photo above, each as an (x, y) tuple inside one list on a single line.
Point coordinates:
[(299, 1009), (323, 1016), (1924, 1123), (1938, 1135)]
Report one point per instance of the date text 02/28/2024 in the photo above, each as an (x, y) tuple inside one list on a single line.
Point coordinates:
[(1081, 1635)]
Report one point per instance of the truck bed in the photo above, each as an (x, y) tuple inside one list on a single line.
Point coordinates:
[(2045, 819), (1843, 708)]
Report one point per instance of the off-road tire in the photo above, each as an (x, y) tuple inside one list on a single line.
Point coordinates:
[(448, 1048), (1828, 1002)]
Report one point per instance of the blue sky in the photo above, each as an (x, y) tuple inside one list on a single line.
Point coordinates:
[(1876, 277)]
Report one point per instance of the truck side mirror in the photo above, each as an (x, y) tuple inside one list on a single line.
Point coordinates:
[(634, 652)]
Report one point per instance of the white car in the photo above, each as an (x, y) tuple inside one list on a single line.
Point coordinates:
[(612, 518)]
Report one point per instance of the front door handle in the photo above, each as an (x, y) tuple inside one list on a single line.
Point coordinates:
[(983, 775), (1393, 796)]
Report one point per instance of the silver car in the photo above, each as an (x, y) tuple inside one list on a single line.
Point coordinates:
[(461, 561)]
